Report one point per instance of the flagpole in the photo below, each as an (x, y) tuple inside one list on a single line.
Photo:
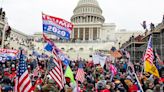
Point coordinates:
[(138, 82), (143, 63)]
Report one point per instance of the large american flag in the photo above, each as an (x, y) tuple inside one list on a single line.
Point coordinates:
[(80, 76), (149, 55), (22, 81), (56, 72)]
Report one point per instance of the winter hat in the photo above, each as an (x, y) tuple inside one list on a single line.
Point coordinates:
[(68, 80)]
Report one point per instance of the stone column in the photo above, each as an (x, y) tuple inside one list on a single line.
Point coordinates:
[(86, 19), (93, 19), (78, 33), (91, 33), (84, 34), (97, 32), (81, 19)]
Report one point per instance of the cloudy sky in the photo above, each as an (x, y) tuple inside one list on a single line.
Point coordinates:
[(25, 15)]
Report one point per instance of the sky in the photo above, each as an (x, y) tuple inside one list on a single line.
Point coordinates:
[(25, 15)]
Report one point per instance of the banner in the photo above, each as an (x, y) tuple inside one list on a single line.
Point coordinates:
[(2, 51), (57, 26), (99, 59)]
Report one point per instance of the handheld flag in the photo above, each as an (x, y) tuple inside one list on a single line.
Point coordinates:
[(80, 76), (51, 47), (22, 82), (48, 47), (56, 72), (62, 57), (69, 73), (57, 26), (148, 58)]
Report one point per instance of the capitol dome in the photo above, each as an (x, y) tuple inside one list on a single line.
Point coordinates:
[(87, 11), (94, 2)]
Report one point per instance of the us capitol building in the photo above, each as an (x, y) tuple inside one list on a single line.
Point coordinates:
[(90, 32)]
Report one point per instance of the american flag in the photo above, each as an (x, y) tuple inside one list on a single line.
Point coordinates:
[(22, 82), (158, 58), (56, 72), (80, 76), (36, 71), (149, 52)]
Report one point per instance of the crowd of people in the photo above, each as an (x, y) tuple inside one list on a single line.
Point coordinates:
[(97, 78)]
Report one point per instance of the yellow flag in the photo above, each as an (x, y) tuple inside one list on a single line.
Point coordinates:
[(151, 68), (69, 73)]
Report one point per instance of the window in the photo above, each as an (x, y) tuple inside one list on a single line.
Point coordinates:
[(90, 49), (71, 49), (81, 49), (63, 49)]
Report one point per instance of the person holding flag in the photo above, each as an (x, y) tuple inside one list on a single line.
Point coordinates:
[(70, 81)]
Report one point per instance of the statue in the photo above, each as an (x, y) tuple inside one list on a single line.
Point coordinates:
[(144, 25), (1, 11), (152, 27), (163, 19)]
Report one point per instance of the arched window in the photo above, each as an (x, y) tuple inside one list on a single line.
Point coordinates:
[(90, 49), (81, 49), (63, 49), (71, 49)]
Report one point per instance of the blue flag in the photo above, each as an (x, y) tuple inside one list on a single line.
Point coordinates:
[(62, 57), (35, 53), (48, 47)]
